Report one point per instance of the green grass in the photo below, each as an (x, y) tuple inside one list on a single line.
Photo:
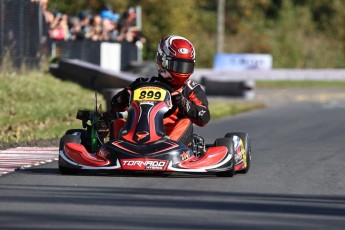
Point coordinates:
[(221, 109), (37, 106)]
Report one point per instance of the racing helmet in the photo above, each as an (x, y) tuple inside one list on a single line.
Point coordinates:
[(175, 59)]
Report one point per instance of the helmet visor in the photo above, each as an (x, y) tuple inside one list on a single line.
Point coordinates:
[(181, 65)]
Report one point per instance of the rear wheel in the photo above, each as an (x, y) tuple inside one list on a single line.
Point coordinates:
[(68, 138), (247, 146), (227, 142)]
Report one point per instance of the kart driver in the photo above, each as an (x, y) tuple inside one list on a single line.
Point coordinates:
[(175, 61)]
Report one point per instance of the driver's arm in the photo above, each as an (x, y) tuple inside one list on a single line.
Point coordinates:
[(193, 105), (198, 111)]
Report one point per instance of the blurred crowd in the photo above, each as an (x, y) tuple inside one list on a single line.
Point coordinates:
[(105, 26)]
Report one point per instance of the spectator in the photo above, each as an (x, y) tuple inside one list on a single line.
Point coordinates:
[(59, 27), (57, 23), (106, 26), (85, 23), (75, 31), (109, 30), (125, 24), (97, 28)]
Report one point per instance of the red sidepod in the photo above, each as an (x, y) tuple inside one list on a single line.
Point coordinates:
[(79, 154), (213, 156)]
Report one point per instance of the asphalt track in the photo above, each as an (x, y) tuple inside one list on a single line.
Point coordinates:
[(297, 181)]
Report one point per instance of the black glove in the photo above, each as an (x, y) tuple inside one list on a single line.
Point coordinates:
[(180, 101), (177, 99), (120, 100)]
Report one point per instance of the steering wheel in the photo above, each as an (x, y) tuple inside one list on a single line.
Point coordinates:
[(161, 84)]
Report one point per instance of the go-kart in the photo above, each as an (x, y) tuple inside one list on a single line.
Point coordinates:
[(142, 144)]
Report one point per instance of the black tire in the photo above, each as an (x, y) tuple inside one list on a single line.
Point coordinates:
[(68, 138), (229, 144), (247, 146), (68, 171)]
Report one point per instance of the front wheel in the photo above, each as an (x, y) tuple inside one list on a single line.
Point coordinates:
[(247, 146), (64, 170), (230, 146)]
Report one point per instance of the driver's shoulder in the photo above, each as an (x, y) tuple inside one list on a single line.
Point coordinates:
[(192, 84)]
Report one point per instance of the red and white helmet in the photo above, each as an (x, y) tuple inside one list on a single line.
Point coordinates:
[(175, 59)]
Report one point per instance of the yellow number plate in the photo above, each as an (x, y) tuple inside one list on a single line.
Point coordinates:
[(149, 93)]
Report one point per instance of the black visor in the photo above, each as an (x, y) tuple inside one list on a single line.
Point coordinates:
[(181, 65)]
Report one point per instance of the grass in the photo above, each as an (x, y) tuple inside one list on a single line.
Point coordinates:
[(37, 106), (221, 109)]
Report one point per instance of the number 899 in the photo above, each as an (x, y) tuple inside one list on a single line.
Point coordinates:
[(150, 95)]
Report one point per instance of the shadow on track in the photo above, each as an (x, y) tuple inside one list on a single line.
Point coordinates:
[(138, 208), (51, 171)]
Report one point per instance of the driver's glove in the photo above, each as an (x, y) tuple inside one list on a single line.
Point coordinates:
[(181, 102), (120, 101)]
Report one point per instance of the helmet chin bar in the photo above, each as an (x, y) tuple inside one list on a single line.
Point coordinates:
[(173, 81), (165, 74)]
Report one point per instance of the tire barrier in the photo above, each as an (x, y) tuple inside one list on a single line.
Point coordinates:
[(89, 75), (227, 87)]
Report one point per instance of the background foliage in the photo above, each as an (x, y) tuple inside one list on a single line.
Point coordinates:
[(298, 33)]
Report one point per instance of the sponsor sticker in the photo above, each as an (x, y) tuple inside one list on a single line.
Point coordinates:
[(185, 155), (144, 164), (183, 51), (103, 153), (201, 113)]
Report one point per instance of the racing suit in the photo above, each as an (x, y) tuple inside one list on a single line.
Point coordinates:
[(192, 107)]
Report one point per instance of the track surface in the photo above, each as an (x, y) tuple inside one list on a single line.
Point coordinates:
[(297, 181)]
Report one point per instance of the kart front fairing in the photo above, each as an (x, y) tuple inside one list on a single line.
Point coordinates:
[(167, 155)]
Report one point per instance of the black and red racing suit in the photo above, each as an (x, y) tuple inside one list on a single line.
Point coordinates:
[(179, 125)]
